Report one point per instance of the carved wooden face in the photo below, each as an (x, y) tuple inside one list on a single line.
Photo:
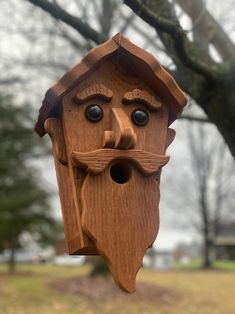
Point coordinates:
[(115, 132), (98, 96)]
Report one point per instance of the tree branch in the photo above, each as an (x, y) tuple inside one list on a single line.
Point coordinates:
[(106, 16), (200, 35), (10, 80), (130, 21), (197, 119), (209, 30), (63, 32), (58, 13), (178, 36)]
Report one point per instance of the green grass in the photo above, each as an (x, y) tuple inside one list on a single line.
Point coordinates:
[(225, 265), (197, 264), (196, 292)]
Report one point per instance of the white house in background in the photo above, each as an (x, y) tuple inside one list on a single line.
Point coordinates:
[(225, 242), (158, 259)]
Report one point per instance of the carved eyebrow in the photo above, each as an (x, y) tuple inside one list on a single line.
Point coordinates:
[(143, 97), (96, 90)]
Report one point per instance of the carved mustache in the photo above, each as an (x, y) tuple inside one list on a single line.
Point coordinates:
[(97, 161)]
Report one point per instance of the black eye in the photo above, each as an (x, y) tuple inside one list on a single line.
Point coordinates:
[(94, 113), (140, 117)]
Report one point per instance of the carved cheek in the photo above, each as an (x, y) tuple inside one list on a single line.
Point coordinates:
[(82, 134)]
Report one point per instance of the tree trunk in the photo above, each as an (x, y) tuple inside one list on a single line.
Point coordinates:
[(99, 267), (208, 252), (206, 256), (212, 87), (204, 207), (11, 262)]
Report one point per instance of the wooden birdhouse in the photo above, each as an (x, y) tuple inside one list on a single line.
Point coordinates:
[(108, 120)]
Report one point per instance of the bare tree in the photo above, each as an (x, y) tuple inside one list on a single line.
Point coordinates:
[(203, 188), (208, 82)]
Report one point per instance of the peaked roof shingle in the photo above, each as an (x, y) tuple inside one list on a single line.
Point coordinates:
[(139, 60)]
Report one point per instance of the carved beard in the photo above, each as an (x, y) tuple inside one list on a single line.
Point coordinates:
[(121, 219)]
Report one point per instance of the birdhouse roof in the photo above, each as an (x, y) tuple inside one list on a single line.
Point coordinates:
[(140, 61)]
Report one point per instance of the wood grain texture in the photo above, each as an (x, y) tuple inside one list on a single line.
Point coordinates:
[(141, 96), (83, 136), (97, 161), (136, 58), (72, 225), (122, 220), (54, 129), (71, 216), (125, 136), (108, 139), (108, 171), (94, 91), (155, 76), (76, 178)]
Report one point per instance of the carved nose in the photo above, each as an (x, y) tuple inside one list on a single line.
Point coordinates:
[(122, 135)]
